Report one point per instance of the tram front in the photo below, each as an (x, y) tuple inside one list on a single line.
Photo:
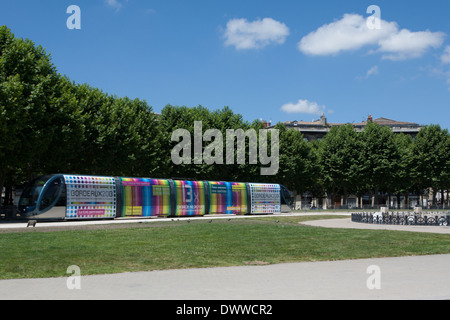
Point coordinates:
[(44, 198)]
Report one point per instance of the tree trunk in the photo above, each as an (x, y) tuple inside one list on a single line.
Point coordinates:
[(345, 196), (1, 192), (406, 201), (389, 200), (447, 199), (8, 195), (434, 198), (376, 197)]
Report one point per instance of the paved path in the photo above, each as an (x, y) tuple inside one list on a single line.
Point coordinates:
[(347, 223), (424, 277), (62, 224)]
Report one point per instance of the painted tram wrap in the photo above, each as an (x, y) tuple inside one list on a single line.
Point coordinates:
[(81, 197)]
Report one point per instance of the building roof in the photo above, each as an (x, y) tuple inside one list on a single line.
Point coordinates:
[(389, 122), (320, 127), (323, 123)]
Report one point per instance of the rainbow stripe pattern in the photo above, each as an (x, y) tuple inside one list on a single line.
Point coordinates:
[(145, 197), (190, 198), (227, 197)]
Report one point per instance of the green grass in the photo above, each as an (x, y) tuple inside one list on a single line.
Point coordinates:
[(169, 245)]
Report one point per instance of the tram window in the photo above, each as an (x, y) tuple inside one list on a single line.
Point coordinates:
[(31, 192), (30, 196), (62, 201), (51, 193)]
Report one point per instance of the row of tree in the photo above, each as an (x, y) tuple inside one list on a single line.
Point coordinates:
[(377, 160), (49, 124)]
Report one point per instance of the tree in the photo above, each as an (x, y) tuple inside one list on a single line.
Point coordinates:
[(431, 152), (35, 112), (377, 158), (121, 135), (128, 139), (298, 167), (339, 160), (403, 179), (319, 185), (176, 117)]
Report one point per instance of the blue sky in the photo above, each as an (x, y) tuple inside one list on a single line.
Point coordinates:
[(275, 60)]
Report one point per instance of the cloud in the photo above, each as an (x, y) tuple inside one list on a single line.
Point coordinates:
[(406, 44), (372, 71), (349, 33), (445, 58), (352, 33), (245, 35), (114, 4), (303, 106)]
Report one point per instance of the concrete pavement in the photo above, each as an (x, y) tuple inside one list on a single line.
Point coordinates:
[(63, 224), (415, 277)]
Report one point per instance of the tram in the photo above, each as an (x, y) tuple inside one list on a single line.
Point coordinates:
[(84, 197)]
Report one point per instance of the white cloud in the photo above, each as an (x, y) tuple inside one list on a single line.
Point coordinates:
[(352, 33), (372, 71), (114, 4), (303, 106), (406, 44), (349, 33), (445, 58), (254, 35)]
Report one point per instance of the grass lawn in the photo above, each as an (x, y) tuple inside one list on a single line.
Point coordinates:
[(178, 244)]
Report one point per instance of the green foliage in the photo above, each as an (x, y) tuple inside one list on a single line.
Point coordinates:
[(36, 115), (340, 160), (49, 124), (298, 164), (379, 160), (431, 158), (173, 118), (120, 135)]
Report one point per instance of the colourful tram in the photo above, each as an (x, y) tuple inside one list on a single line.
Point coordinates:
[(81, 197)]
